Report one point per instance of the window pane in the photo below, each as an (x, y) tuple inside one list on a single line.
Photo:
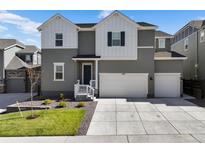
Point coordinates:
[(28, 58), (116, 35), (59, 75), (59, 68), (59, 42), (116, 42), (161, 43), (59, 36)]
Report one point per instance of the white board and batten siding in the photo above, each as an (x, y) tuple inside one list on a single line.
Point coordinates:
[(116, 23), (128, 85), (58, 25), (167, 84)]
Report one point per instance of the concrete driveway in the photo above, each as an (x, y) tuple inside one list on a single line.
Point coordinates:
[(149, 120), (10, 98)]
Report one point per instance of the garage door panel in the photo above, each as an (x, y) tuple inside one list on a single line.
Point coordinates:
[(167, 85), (123, 85)]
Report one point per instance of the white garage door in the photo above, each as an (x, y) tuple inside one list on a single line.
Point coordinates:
[(123, 85), (167, 84)]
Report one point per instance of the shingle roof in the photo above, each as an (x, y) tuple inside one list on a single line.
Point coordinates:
[(86, 25), (162, 34), (89, 25), (168, 54), (145, 24), (4, 43), (194, 23), (86, 56), (29, 49)]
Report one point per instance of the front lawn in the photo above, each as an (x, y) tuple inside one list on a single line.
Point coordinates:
[(58, 122)]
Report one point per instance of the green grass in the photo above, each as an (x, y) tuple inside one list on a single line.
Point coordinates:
[(56, 122)]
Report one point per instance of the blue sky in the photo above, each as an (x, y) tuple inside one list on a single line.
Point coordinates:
[(22, 24)]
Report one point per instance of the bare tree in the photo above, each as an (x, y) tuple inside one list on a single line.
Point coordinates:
[(34, 77)]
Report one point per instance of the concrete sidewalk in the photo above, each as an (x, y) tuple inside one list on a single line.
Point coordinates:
[(108, 139)]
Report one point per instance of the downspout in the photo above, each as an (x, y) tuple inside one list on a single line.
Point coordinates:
[(197, 54)]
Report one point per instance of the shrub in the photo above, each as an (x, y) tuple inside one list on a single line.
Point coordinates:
[(62, 104), (47, 102), (61, 96), (82, 104)]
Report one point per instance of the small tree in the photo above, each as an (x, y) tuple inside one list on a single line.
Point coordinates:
[(34, 77)]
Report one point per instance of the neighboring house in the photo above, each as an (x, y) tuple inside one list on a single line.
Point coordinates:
[(163, 41), (30, 54), (116, 57), (8, 49), (13, 65), (190, 41), (187, 42)]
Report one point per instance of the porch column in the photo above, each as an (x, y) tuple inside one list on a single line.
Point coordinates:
[(96, 74)]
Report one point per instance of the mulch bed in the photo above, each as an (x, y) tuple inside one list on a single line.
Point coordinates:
[(90, 109)]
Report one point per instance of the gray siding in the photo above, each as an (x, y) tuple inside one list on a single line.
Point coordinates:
[(201, 60), (168, 66), (86, 42), (167, 45), (146, 37), (189, 64), (1, 64), (144, 64), (49, 87)]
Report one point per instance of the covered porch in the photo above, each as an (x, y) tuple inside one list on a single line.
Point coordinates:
[(87, 75)]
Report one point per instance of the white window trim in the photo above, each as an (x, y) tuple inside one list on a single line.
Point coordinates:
[(160, 44), (58, 39), (58, 64), (186, 40), (203, 36), (83, 64)]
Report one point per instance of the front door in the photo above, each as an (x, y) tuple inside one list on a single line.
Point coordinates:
[(87, 73)]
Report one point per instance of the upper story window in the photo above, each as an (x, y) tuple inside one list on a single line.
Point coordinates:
[(161, 43), (59, 39), (58, 71), (28, 58), (202, 37), (186, 44), (116, 38)]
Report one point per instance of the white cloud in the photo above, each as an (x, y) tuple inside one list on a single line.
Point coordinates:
[(201, 18), (3, 28), (104, 13), (8, 36), (29, 40), (24, 24)]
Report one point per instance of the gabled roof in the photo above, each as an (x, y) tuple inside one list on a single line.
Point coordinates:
[(194, 23), (162, 34), (7, 43), (29, 49), (53, 18), (119, 13), (17, 63)]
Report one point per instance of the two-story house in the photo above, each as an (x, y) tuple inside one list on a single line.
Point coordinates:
[(15, 57), (115, 57), (190, 41)]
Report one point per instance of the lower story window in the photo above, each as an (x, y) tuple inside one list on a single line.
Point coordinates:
[(58, 71)]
